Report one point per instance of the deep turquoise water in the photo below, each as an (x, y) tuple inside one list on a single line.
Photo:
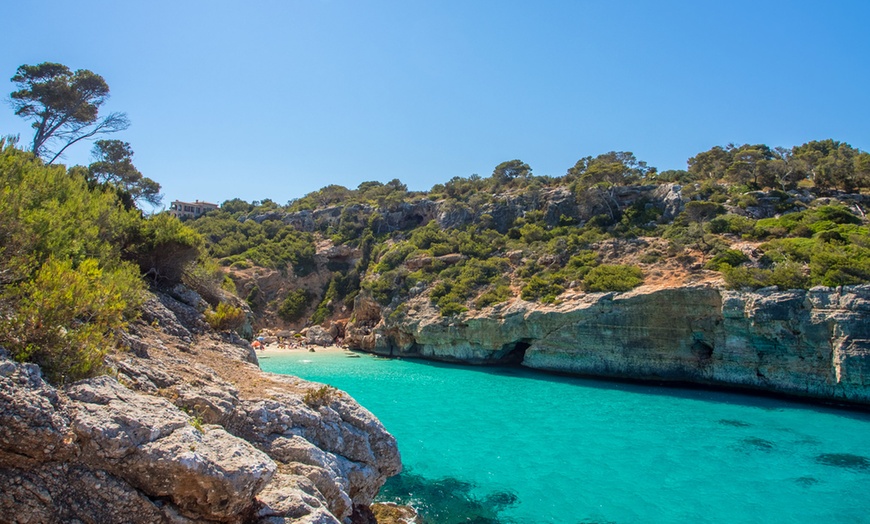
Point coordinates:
[(514, 445)]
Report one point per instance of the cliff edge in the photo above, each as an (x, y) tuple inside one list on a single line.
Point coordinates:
[(809, 343), (188, 429)]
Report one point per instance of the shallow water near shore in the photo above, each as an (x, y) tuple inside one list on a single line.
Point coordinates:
[(514, 445)]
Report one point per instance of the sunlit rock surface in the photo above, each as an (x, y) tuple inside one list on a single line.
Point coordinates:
[(813, 343)]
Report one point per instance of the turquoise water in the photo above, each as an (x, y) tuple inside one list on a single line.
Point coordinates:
[(513, 445)]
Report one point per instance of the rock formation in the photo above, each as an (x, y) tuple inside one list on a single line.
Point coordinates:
[(812, 343), (187, 429)]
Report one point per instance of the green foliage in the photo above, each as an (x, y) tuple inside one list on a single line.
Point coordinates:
[(805, 223), (459, 284), (207, 278), (225, 317), (698, 211), (65, 289), (63, 105), (320, 396), (613, 278), (164, 248), (329, 297), (67, 316), (731, 224), (729, 257), (496, 295), (114, 168), (833, 164), (45, 212), (269, 243), (505, 172), (294, 305), (613, 168), (840, 265), (787, 275), (393, 257), (545, 287), (197, 423), (387, 285)]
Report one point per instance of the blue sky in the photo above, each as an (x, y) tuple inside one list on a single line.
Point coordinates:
[(274, 99)]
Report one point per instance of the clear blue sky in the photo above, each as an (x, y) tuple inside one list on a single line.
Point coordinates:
[(274, 99)]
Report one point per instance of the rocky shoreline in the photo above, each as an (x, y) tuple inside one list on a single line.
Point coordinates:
[(187, 429), (812, 344)]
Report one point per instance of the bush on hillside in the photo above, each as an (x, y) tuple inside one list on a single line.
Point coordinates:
[(164, 248), (787, 275), (729, 257), (225, 317), (294, 305), (613, 278), (67, 317)]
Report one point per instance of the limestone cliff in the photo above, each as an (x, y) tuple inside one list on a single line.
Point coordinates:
[(188, 429), (812, 343)]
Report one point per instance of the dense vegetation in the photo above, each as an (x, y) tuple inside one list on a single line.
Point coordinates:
[(76, 254), (72, 261), (474, 242)]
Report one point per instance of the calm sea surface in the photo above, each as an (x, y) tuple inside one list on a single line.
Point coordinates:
[(512, 445)]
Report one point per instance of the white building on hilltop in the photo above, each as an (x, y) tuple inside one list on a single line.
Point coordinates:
[(191, 209)]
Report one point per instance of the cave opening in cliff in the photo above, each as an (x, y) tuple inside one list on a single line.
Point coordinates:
[(513, 353)]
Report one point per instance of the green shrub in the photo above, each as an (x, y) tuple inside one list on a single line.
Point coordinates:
[(394, 257), (225, 317), (460, 283), (207, 278), (796, 249), (164, 247), (785, 275), (743, 277), (449, 308), (698, 211), (651, 257), (733, 224), (613, 278), (840, 265), (746, 200), (385, 286), (294, 305), (729, 257), (324, 308), (545, 288), (320, 396), (493, 296), (66, 318)]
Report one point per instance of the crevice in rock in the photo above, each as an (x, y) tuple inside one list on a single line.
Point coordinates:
[(702, 350), (513, 353)]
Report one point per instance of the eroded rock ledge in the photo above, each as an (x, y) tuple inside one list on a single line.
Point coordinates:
[(187, 430), (812, 343)]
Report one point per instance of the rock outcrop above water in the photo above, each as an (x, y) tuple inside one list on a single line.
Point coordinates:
[(187, 430), (812, 343)]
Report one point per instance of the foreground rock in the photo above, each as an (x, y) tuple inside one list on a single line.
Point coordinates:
[(190, 431), (812, 343)]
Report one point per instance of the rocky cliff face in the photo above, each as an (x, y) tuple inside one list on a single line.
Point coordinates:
[(187, 430), (812, 343)]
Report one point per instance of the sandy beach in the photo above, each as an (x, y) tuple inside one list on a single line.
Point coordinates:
[(273, 349)]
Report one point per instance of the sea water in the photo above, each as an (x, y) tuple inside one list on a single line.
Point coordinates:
[(513, 445)]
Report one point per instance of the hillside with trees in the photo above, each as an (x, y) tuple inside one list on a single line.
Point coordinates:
[(743, 217)]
